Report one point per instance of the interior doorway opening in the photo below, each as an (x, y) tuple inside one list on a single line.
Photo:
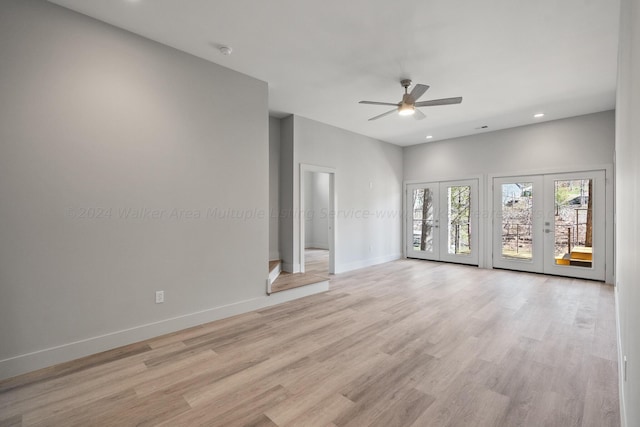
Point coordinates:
[(317, 219)]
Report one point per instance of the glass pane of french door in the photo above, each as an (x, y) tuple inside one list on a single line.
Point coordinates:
[(423, 219), (459, 219), (459, 238), (517, 241), (573, 231), (422, 228), (517, 220)]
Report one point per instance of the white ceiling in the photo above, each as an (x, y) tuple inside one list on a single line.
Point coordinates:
[(509, 59)]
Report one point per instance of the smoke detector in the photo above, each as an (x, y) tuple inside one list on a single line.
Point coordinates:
[(225, 50)]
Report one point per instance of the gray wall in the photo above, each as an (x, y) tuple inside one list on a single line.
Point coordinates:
[(274, 188), (286, 215), (113, 151), (316, 210), (627, 208), (560, 144), (368, 191)]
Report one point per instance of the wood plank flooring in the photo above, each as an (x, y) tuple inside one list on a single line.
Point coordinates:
[(316, 261), (407, 343)]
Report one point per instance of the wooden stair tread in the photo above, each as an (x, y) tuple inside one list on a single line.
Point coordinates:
[(582, 253), (564, 260)]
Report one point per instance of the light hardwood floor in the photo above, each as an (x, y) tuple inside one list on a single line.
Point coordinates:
[(407, 343), (316, 261)]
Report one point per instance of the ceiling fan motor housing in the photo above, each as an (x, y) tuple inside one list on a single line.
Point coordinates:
[(407, 105)]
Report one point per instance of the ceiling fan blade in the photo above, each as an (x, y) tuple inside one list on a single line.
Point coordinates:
[(378, 103), (444, 101), (383, 114), (418, 90), (418, 115)]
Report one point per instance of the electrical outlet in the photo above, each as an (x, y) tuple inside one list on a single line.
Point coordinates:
[(159, 297)]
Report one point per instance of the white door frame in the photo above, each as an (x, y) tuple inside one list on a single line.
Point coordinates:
[(609, 209), (597, 272), (331, 214)]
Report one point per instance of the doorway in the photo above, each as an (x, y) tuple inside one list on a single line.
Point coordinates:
[(551, 223), (442, 221), (316, 219), (317, 224)]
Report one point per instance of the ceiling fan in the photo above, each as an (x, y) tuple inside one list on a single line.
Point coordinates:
[(407, 106)]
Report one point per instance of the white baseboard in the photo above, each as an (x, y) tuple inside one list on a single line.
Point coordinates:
[(63, 353), (623, 409), (273, 274), (316, 245), (355, 265)]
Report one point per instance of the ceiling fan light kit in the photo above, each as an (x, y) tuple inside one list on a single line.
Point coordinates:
[(406, 110), (407, 106)]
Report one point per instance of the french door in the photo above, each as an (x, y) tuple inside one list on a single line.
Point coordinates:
[(442, 221), (552, 224)]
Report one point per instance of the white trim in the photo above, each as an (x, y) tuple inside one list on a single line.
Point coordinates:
[(290, 268), (63, 353), (549, 171), (316, 245), (368, 262), (623, 409), (273, 275), (444, 179)]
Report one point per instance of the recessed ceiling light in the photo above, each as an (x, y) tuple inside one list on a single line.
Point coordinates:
[(429, 136), (538, 115)]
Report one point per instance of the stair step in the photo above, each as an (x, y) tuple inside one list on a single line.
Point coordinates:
[(582, 253), (580, 263), (569, 260), (288, 281), (274, 264), (275, 268)]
